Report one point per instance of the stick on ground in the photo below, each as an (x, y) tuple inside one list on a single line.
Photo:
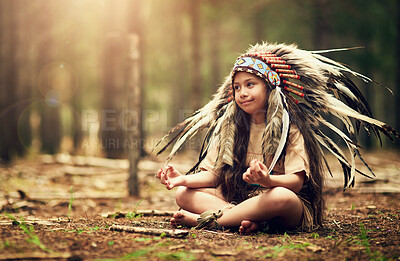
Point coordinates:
[(176, 233)]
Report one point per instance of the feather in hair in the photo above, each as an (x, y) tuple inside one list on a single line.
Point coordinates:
[(227, 135), (282, 142), (272, 132), (280, 114)]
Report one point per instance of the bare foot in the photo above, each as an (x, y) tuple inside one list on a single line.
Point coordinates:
[(248, 227), (184, 217)]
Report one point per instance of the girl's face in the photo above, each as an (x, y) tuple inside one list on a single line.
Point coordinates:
[(251, 94)]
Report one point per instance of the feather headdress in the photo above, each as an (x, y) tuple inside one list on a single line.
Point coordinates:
[(305, 81)]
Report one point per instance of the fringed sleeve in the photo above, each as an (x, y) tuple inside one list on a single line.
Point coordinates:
[(209, 162)]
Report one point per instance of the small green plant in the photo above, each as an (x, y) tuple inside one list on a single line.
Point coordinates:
[(94, 228), (71, 200), (287, 244), (5, 244), (176, 256), (79, 231), (137, 254), (364, 241), (364, 238), (142, 239), (314, 235), (29, 231), (285, 237), (132, 215)]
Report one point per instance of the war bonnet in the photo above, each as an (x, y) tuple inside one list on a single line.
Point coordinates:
[(305, 81)]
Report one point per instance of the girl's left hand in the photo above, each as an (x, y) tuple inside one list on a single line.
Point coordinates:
[(257, 173), (171, 177)]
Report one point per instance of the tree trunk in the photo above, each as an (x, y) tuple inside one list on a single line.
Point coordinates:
[(397, 86), (195, 43), (178, 89), (134, 96), (322, 24), (50, 129), (111, 114), (10, 144), (216, 78)]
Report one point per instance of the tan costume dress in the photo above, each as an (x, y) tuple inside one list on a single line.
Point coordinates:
[(295, 160)]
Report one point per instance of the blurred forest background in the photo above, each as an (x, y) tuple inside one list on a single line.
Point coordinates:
[(76, 76)]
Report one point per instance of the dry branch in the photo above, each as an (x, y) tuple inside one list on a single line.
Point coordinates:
[(177, 233), (36, 256), (145, 212)]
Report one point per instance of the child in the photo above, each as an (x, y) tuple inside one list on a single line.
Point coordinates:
[(261, 161)]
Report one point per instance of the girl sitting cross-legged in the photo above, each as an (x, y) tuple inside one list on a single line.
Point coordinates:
[(261, 165)]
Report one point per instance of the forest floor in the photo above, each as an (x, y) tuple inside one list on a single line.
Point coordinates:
[(64, 207)]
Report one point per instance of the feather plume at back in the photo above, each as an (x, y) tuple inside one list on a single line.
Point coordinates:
[(327, 91)]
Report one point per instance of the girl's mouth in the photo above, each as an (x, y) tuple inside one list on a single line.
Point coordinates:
[(246, 102)]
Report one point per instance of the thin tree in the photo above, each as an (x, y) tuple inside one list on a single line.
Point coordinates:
[(113, 61), (10, 144), (195, 42), (397, 102), (134, 95), (50, 124)]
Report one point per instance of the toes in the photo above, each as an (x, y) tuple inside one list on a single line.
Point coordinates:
[(245, 223), (247, 227), (178, 215), (241, 230), (177, 219), (174, 222)]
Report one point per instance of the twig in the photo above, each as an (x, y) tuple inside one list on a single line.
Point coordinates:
[(36, 256), (32, 222), (177, 233), (145, 212), (216, 232), (337, 224)]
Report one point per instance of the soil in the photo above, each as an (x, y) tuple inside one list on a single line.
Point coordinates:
[(52, 208)]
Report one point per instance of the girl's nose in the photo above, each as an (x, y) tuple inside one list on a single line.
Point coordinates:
[(243, 93)]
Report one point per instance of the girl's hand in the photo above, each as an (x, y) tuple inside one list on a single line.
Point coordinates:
[(170, 177), (257, 173)]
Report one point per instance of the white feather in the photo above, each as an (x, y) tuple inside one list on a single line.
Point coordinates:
[(341, 87), (285, 131), (188, 135), (344, 110), (282, 141)]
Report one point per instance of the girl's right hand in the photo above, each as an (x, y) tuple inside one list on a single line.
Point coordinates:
[(171, 177), (257, 173)]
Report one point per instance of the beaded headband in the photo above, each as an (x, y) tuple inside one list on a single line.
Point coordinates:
[(270, 68), (258, 67)]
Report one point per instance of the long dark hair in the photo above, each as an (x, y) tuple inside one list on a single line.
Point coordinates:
[(314, 187), (230, 179)]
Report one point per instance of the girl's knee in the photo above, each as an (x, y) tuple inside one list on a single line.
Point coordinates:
[(283, 198), (181, 195)]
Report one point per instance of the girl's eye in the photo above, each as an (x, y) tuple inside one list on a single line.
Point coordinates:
[(250, 84), (236, 88)]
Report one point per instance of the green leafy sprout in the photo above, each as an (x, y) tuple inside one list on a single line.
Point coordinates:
[(71, 200), (29, 231)]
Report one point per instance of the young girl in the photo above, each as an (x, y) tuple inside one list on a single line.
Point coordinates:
[(261, 161)]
